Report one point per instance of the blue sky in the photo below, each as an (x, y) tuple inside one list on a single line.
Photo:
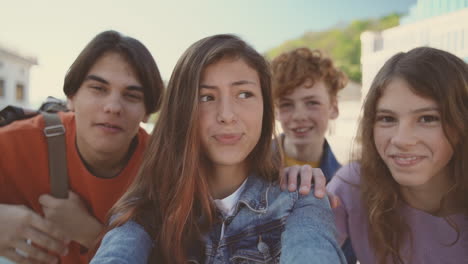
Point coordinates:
[(56, 31)]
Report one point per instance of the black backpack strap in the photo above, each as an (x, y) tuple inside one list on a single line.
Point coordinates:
[(54, 132)]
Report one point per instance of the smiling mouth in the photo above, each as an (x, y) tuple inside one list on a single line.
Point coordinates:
[(406, 160), (228, 139), (301, 130)]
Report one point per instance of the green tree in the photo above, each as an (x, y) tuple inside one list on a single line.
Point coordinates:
[(343, 45)]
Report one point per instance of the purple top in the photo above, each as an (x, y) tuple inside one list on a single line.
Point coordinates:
[(431, 235)]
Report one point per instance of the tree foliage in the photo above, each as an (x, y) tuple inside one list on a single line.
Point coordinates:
[(343, 45)]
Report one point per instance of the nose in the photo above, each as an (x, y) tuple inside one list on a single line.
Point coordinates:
[(299, 113), (113, 104), (404, 136), (226, 111)]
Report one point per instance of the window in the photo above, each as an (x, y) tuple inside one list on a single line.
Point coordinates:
[(2, 88), (19, 92)]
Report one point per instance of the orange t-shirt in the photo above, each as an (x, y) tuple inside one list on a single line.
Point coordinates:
[(24, 172)]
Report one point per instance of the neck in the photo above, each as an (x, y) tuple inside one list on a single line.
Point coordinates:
[(311, 152), (226, 179), (428, 197), (105, 165)]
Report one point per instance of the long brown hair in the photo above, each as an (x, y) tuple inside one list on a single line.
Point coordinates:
[(433, 74), (170, 194)]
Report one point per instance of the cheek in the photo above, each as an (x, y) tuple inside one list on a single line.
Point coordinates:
[(259, 123), (321, 118), (444, 148), (284, 118), (379, 141), (203, 120), (253, 120)]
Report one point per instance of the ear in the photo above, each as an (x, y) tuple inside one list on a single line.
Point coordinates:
[(334, 110), (70, 104)]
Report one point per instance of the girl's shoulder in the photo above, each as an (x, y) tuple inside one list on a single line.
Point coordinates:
[(345, 184), (348, 174), (128, 243)]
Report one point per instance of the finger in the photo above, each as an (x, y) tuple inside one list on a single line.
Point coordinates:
[(73, 196), (334, 200), (33, 253), (45, 241), (47, 227), (48, 200), (284, 178), (319, 183), (306, 179), (12, 255), (292, 178)]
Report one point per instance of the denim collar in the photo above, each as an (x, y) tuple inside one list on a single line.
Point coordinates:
[(255, 194), (328, 163)]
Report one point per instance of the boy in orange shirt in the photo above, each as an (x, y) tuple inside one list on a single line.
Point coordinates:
[(112, 86)]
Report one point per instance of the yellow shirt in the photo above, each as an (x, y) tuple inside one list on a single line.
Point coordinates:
[(288, 162)]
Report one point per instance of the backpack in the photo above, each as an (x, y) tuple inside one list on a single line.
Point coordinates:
[(54, 131)]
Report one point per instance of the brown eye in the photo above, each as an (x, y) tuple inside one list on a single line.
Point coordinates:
[(134, 96), (206, 98), (429, 119), (312, 103), (385, 119), (245, 95), (97, 88)]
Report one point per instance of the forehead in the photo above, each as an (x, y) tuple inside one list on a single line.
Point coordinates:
[(399, 95), (318, 90), (228, 70), (113, 66)]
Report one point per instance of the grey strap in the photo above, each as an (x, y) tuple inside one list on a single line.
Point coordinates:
[(54, 132)]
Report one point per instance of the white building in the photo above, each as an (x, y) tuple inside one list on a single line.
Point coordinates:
[(441, 24), (14, 78)]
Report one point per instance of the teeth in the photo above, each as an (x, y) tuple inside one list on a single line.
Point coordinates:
[(406, 158), (300, 130)]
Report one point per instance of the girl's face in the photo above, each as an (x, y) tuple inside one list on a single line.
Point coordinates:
[(409, 137), (230, 111)]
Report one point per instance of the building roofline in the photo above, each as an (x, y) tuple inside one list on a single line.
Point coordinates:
[(32, 60)]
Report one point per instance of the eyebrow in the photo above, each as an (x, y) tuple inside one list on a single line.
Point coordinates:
[(419, 110), (96, 78), (303, 98), (101, 80), (236, 83)]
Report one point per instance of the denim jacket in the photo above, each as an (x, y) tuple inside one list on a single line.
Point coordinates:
[(268, 226)]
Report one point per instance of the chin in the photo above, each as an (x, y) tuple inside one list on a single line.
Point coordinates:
[(410, 180), (228, 160), (300, 141)]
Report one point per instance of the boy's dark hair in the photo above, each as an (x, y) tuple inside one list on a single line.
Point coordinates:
[(133, 51)]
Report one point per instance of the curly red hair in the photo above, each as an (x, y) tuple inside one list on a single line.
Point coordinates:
[(304, 66)]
